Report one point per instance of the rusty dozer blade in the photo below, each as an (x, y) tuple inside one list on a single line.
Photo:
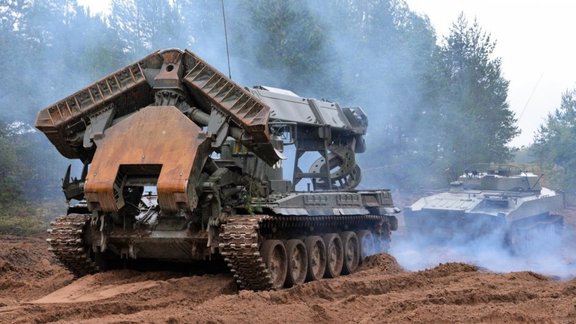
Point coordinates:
[(246, 111), (125, 89), (67, 123), (153, 140)]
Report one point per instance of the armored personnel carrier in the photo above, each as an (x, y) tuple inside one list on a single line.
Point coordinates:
[(183, 164), (489, 202)]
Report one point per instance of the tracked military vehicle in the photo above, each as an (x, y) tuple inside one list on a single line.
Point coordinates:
[(183, 164), (487, 202)]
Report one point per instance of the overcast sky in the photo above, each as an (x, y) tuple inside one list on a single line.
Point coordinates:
[(537, 44), (534, 38)]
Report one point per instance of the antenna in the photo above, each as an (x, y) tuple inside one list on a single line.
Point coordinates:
[(530, 97), (226, 37)]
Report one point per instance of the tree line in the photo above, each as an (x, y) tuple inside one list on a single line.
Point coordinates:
[(434, 103)]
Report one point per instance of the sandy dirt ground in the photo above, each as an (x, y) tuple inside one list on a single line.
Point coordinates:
[(34, 288)]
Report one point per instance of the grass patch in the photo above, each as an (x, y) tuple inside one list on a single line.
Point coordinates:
[(28, 218)]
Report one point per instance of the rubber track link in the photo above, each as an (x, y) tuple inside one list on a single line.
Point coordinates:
[(240, 242), (66, 239)]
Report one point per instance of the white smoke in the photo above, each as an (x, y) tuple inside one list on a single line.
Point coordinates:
[(546, 251)]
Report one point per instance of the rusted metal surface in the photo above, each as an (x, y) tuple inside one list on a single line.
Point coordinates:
[(210, 149), (245, 109), (153, 136), (126, 88), (133, 87)]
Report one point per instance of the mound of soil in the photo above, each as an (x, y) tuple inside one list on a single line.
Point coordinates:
[(35, 288), (382, 262), (28, 270)]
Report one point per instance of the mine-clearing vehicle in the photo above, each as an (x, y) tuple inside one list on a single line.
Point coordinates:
[(182, 164), (488, 201)]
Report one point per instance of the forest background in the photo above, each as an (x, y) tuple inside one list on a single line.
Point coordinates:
[(436, 104)]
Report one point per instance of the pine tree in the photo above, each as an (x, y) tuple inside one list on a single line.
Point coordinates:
[(469, 93), (555, 141)]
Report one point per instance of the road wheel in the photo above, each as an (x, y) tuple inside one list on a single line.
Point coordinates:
[(334, 255), (367, 244), (297, 262), (274, 254), (351, 252), (316, 258)]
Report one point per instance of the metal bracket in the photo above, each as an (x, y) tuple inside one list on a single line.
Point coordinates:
[(98, 124), (218, 127)]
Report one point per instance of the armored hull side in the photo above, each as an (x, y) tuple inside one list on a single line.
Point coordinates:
[(495, 204)]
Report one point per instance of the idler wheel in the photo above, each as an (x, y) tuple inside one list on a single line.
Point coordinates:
[(351, 252), (316, 258), (297, 262), (334, 255), (274, 254)]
